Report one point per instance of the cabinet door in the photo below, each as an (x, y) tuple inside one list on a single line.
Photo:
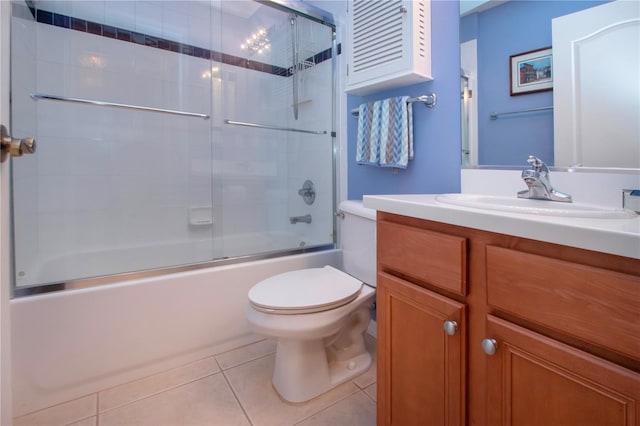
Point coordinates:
[(421, 368), (534, 380)]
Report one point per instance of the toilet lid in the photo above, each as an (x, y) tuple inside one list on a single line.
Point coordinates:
[(305, 291)]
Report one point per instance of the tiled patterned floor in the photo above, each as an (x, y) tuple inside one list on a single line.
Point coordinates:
[(229, 389)]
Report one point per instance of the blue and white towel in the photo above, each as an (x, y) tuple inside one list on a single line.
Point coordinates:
[(385, 133), (368, 142)]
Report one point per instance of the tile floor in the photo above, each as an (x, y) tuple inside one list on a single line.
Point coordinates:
[(228, 389)]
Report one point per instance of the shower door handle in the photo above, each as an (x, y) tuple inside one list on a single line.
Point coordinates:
[(13, 146)]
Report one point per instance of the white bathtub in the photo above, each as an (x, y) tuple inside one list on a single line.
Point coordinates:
[(71, 343)]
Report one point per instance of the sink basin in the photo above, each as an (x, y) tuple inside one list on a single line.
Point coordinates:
[(536, 207)]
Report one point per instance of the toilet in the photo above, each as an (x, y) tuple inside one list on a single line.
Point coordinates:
[(318, 316)]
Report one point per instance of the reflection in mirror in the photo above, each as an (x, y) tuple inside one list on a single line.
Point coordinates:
[(490, 34)]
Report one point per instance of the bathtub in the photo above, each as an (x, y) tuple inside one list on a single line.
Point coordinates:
[(75, 342)]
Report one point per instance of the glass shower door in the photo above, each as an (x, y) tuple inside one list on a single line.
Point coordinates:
[(275, 145), (111, 189), (169, 134)]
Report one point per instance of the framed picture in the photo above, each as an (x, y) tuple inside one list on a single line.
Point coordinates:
[(531, 71)]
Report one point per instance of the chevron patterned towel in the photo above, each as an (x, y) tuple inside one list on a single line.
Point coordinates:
[(396, 131), (368, 143), (385, 133)]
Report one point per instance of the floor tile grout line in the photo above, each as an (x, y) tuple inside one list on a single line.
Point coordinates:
[(365, 386), (82, 419), (55, 405), (160, 372), (370, 397), (330, 405), (97, 407), (179, 385), (246, 415), (240, 347), (245, 361)]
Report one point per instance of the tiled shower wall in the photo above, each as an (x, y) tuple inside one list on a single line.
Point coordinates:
[(108, 178)]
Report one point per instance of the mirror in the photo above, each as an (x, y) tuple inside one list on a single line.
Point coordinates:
[(496, 34)]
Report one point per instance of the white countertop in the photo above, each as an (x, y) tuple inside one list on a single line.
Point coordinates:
[(615, 236)]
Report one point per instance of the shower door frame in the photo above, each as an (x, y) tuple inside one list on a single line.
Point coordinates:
[(6, 281), (308, 12)]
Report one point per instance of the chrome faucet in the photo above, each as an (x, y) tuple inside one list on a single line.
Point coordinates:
[(296, 219), (539, 183)]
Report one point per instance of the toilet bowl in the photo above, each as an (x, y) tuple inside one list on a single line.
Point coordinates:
[(319, 316), (319, 345)]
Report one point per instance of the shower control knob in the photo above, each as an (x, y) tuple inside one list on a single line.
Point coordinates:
[(450, 327), (489, 346)]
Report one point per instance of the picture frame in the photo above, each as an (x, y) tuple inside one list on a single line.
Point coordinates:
[(531, 72)]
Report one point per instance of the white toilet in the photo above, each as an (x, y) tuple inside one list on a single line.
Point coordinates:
[(319, 316)]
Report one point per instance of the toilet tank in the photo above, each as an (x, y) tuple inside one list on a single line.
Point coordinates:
[(358, 241)]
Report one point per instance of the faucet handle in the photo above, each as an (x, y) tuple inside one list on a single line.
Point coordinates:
[(537, 164)]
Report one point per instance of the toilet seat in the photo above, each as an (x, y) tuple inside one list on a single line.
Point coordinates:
[(305, 291)]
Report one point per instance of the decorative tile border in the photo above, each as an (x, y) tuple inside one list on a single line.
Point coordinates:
[(103, 30)]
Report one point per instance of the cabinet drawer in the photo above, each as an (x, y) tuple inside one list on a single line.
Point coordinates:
[(432, 257), (593, 304)]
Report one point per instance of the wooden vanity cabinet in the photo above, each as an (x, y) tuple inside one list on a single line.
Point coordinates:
[(421, 368), (563, 323), (421, 333)]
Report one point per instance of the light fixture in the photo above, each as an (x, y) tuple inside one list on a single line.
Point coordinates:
[(257, 42)]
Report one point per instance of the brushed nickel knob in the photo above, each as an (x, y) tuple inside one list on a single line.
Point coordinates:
[(450, 327), (489, 346), (15, 147)]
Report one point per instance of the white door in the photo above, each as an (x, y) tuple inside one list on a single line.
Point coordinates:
[(5, 288), (596, 93)]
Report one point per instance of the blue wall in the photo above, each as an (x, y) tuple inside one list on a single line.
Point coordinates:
[(436, 165), (505, 30)]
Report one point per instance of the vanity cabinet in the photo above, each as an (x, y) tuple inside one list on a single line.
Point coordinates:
[(547, 334), (421, 333)]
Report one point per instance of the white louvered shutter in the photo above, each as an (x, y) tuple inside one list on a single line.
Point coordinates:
[(388, 44)]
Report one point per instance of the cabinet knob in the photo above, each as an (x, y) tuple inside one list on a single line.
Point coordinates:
[(489, 346), (450, 327)]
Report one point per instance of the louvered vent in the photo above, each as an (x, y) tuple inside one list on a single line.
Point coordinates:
[(390, 44), (377, 33), (421, 29)]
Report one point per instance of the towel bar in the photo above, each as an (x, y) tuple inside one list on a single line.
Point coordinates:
[(266, 126), (428, 100), (39, 96), (495, 115)]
